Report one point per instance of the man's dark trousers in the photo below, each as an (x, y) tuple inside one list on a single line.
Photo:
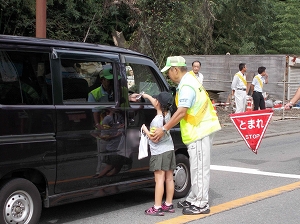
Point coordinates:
[(258, 100)]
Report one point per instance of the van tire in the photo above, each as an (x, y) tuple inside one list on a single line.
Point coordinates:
[(20, 202), (182, 177)]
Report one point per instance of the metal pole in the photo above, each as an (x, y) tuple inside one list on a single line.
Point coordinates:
[(41, 18), (286, 75)]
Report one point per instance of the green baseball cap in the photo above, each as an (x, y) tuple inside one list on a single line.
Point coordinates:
[(107, 73), (176, 61)]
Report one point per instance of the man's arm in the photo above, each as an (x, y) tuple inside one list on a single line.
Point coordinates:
[(266, 78), (251, 89), (293, 100), (175, 119), (253, 85), (233, 84)]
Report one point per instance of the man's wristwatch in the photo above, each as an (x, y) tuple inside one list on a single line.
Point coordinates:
[(291, 103), (163, 128)]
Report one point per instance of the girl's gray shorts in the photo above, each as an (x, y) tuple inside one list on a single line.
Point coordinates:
[(165, 161)]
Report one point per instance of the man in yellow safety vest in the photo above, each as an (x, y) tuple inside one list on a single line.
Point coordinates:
[(198, 123)]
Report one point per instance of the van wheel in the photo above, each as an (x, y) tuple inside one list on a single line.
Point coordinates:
[(182, 177), (20, 202)]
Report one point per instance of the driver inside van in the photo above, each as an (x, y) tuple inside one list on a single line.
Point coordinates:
[(104, 93)]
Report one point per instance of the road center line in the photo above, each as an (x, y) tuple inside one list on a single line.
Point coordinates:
[(234, 204), (252, 171)]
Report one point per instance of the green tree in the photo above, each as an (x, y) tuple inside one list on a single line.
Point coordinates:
[(242, 26), (173, 28), (17, 17), (86, 20), (163, 28), (285, 38), (74, 20)]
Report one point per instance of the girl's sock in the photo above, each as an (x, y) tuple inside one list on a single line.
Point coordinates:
[(157, 207)]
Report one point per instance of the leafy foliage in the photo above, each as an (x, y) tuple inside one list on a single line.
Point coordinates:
[(169, 27), (160, 21), (86, 20), (17, 17), (285, 37), (242, 26)]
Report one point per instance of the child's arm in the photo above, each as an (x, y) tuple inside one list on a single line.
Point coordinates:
[(145, 129), (150, 98)]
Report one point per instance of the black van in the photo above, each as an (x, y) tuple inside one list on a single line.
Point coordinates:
[(57, 145)]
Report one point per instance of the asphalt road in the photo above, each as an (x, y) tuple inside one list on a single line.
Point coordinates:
[(245, 188)]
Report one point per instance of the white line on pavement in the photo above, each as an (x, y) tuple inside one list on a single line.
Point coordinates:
[(252, 171)]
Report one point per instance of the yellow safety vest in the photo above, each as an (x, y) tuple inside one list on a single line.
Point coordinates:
[(201, 119), (97, 93), (192, 73)]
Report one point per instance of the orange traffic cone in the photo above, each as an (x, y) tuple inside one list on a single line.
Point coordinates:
[(249, 105), (213, 103)]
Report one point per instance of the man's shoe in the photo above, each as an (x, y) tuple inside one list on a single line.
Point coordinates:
[(194, 210), (183, 204)]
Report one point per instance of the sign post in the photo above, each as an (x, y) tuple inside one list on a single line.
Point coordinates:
[(252, 126)]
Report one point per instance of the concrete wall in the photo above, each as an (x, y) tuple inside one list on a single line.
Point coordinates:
[(218, 72)]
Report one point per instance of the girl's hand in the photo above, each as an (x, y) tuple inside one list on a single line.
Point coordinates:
[(144, 127)]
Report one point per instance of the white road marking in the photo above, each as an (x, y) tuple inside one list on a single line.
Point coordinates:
[(252, 171)]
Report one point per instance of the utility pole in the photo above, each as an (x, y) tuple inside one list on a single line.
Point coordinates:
[(40, 18)]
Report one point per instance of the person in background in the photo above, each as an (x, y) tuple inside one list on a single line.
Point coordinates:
[(257, 88), (239, 87), (293, 101), (198, 124), (162, 161), (196, 66), (130, 77)]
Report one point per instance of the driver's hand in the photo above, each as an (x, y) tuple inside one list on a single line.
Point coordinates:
[(133, 97)]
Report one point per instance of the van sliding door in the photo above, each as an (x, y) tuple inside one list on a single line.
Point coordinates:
[(89, 128)]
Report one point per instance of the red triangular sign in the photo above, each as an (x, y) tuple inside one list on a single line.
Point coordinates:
[(252, 126)]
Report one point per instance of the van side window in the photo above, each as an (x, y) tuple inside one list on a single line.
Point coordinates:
[(87, 81), (25, 78), (140, 78)]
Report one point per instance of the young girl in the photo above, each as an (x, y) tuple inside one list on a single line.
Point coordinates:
[(162, 160)]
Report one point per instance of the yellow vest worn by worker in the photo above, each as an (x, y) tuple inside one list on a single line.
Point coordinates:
[(201, 120), (97, 93)]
